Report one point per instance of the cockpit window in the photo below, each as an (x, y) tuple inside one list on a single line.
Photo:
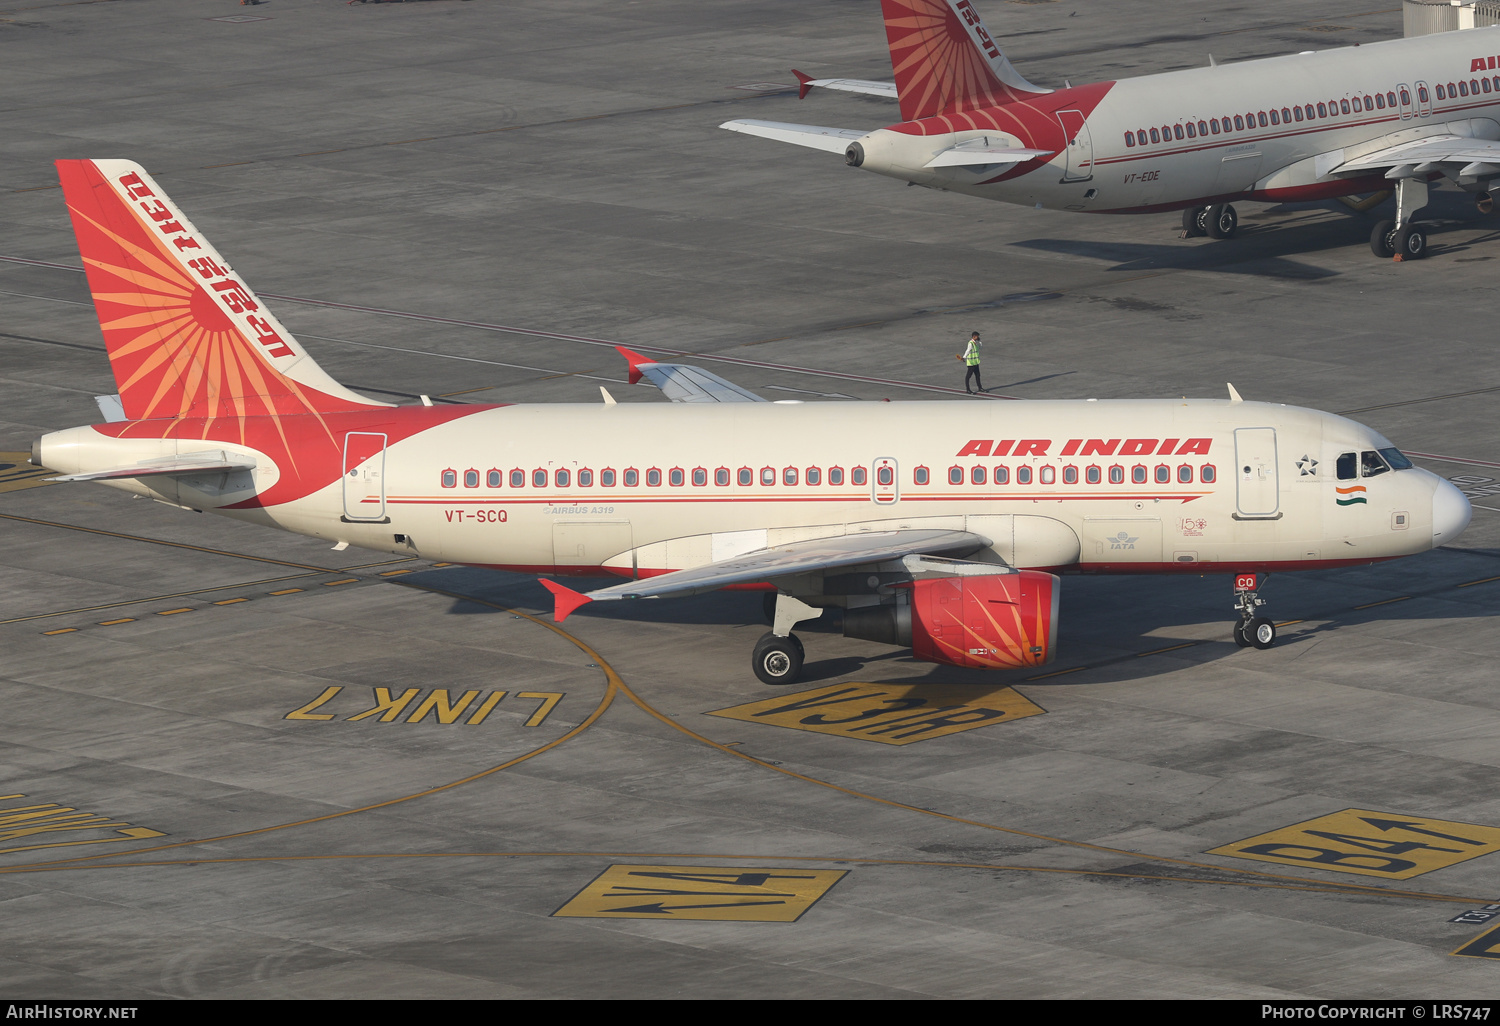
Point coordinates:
[(1348, 466), (1370, 464), (1396, 458)]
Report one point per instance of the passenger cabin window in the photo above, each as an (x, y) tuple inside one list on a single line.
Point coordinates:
[(885, 476), (700, 477), (653, 477), (921, 475), (789, 476), (1116, 474), (1442, 95), (857, 476), (1213, 125), (1093, 475), (494, 478), (1155, 135), (632, 477), (471, 478), (1344, 106), (450, 479), (1163, 474), (1023, 475), (1348, 466), (1138, 474), (1239, 123), (767, 475), (518, 478), (1207, 473), (1185, 474), (1047, 475), (955, 475), (977, 475), (746, 477), (1322, 110), (721, 477), (562, 478), (539, 478), (1070, 475), (1192, 132), (1203, 128), (835, 475), (1002, 475), (1371, 465), (607, 477), (676, 477), (585, 478), (815, 476), (1129, 138)]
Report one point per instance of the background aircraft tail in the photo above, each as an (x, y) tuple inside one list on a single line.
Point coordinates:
[(945, 60), (186, 337)]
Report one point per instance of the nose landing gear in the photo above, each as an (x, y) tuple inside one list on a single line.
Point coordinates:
[(1253, 629)]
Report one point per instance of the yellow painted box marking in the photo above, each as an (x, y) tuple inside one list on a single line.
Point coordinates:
[(1486, 945), (1369, 843), (893, 714), (16, 472), (702, 892)]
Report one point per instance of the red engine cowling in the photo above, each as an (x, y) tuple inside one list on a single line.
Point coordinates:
[(993, 621)]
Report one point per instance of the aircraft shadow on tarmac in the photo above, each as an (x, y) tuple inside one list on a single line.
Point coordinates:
[(1105, 623), (1270, 243)]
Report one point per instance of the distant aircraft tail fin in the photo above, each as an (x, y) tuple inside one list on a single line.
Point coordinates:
[(945, 60), (186, 337)]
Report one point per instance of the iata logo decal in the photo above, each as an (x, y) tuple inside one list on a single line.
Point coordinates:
[(1350, 498), (1123, 540), (1482, 64)]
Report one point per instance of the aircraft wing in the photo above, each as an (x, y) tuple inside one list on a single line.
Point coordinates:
[(775, 561), (683, 383), (805, 83), (1430, 151), (171, 466), (834, 140)]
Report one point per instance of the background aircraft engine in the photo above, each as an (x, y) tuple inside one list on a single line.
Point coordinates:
[(994, 621)]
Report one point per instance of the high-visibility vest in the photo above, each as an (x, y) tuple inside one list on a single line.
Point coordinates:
[(971, 354)]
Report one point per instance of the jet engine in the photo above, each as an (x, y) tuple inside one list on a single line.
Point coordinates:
[(988, 621)]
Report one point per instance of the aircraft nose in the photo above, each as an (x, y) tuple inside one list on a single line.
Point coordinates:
[(1450, 513)]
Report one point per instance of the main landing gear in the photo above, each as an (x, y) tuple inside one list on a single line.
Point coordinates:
[(778, 655), (1253, 629), (1218, 221), (1401, 238)]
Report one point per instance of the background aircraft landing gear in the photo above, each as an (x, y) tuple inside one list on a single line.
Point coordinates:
[(1252, 629), (1218, 221), (1401, 238)]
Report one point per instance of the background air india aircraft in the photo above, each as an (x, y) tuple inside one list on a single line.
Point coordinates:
[(1307, 126), (936, 525)]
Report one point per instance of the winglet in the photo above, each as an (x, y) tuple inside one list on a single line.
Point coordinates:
[(804, 84), (566, 599), (635, 360), (1234, 396)]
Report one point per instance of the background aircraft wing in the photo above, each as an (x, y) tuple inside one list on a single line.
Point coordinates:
[(1432, 152), (844, 85), (777, 561), (834, 140), (683, 383)]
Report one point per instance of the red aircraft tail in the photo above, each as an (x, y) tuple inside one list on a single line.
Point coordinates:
[(186, 337), (945, 60)]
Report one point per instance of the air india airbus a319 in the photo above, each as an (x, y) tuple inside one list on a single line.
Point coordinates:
[(1307, 126), (939, 525)]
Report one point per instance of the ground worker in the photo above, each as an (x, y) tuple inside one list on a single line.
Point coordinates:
[(970, 357)]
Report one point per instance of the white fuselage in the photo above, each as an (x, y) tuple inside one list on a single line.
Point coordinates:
[(1247, 485)]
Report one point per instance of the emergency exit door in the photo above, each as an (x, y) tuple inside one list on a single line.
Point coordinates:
[(364, 477), (1080, 146), (1257, 489)]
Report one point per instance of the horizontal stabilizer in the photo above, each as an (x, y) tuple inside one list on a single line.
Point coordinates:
[(683, 383), (806, 83), (172, 466), (784, 560), (817, 137), (966, 155), (110, 408)]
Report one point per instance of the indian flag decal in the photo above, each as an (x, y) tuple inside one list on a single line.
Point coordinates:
[(1349, 497)]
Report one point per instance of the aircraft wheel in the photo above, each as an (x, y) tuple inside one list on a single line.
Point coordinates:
[(1262, 632), (776, 660), (1220, 221), (1411, 243), (1382, 241), (1192, 222), (1240, 638)]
